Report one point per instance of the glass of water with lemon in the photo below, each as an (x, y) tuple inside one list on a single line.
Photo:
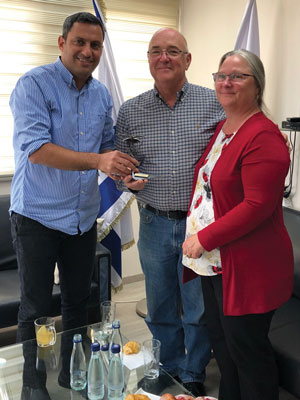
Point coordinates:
[(45, 331)]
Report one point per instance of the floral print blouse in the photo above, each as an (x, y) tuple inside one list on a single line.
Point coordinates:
[(201, 211)]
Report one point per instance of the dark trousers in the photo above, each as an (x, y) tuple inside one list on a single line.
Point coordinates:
[(242, 348), (38, 248)]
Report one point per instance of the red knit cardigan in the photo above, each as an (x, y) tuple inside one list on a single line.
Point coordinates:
[(247, 184)]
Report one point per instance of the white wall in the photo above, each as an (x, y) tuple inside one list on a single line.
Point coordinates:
[(5, 186)]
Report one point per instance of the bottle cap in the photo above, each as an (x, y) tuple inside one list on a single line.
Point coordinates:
[(77, 338), (115, 348), (95, 346), (104, 347), (116, 324)]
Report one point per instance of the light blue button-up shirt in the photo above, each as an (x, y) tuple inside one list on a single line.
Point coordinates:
[(48, 107)]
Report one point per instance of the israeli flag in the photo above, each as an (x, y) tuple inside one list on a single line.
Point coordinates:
[(248, 36), (114, 219)]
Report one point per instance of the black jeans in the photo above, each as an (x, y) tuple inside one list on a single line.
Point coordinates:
[(38, 248), (242, 348)]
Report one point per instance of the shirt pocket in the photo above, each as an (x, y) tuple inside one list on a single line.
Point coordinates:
[(96, 123), (133, 145), (95, 126)]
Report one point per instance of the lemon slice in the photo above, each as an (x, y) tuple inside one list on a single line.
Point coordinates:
[(44, 336)]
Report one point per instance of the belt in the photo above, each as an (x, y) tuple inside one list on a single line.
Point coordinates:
[(172, 214)]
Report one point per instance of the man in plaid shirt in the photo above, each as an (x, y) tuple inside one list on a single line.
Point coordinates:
[(167, 129)]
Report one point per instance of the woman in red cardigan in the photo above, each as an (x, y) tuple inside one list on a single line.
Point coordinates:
[(236, 238)]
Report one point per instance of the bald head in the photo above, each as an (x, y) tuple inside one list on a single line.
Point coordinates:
[(170, 33)]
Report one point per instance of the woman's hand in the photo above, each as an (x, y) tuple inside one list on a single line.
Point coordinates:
[(287, 142), (192, 248), (134, 185)]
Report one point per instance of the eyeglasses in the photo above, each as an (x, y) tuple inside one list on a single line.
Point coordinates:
[(172, 53), (235, 77)]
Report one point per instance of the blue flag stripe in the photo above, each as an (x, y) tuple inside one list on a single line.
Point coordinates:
[(112, 241), (96, 11), (109, 195)]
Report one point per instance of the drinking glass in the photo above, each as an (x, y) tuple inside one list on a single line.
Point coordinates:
[(108, 311), (151, 350), (45, 331)]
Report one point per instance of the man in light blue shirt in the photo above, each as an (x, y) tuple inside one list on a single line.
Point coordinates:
[(63, 134)]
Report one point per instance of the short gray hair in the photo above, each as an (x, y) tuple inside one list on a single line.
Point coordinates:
[(256, 67)]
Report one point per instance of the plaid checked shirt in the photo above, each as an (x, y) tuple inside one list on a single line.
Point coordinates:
[(167, 141)]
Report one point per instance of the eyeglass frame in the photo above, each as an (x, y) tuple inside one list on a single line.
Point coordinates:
[(166, 52), (231, 79)]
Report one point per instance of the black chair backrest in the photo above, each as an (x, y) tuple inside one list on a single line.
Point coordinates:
[(8, 259), (292, 223)]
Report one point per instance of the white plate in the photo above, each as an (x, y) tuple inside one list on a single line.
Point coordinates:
[(133, 361)]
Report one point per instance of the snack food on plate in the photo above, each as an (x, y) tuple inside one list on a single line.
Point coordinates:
[(205, 398), (184, 397), (169, 396), (132, 347), (136, 397)]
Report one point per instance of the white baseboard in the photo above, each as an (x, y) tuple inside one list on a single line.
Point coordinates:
[(133, 278)]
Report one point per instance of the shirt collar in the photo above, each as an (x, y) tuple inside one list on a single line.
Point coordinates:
[(179, 95), (66, 74)]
